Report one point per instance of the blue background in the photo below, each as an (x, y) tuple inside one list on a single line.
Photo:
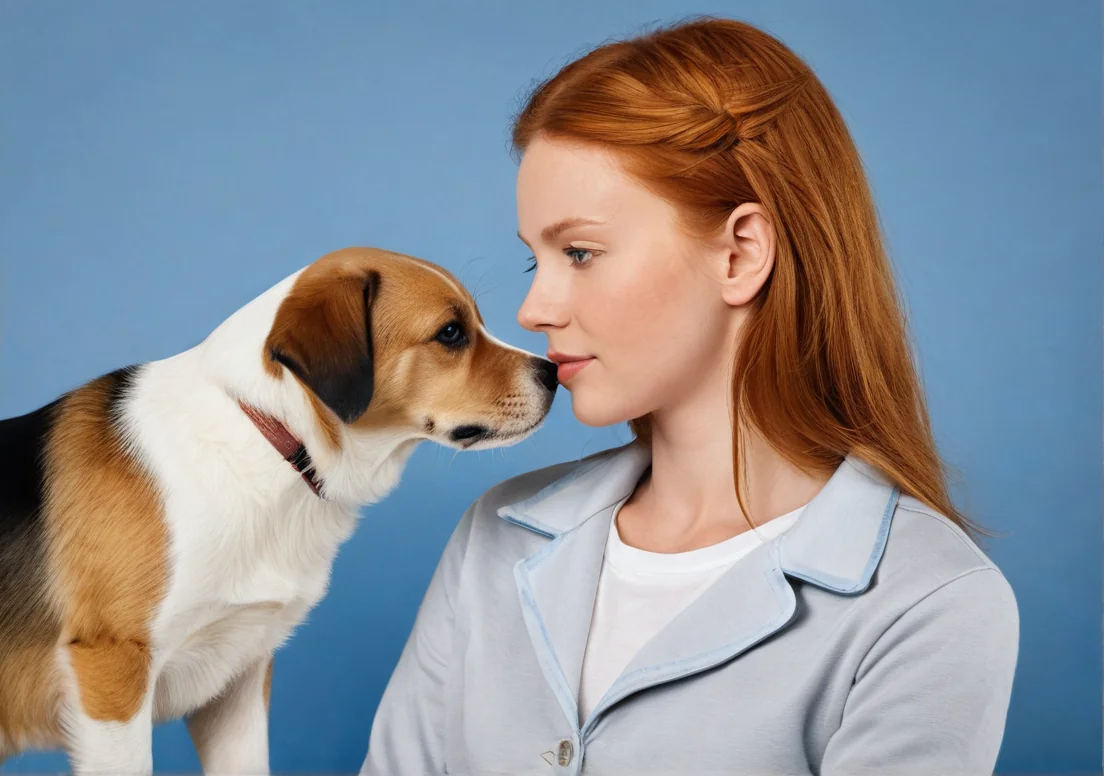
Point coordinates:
[(161, 164)]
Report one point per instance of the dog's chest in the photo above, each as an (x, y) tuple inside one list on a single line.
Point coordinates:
[(235, 597), (223, 643)]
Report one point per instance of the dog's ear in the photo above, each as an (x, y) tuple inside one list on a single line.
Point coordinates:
[(323, 334)]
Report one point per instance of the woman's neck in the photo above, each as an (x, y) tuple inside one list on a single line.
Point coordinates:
[(688, 499)]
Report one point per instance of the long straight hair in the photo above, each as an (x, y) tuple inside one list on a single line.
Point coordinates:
[(711, 113)]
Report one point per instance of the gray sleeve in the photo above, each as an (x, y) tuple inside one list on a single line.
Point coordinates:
[(407, 736), (932, 695)]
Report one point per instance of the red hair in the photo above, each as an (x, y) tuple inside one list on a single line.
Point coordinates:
[(712, 113)]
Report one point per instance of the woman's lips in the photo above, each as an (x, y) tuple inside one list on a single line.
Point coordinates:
[(568, 369)]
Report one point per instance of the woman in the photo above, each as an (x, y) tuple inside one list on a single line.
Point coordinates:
[(709, 268)]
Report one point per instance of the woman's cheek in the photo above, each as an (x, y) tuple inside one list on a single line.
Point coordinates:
[(644, 296)]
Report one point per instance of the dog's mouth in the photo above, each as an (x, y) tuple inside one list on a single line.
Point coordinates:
[(469, 435)]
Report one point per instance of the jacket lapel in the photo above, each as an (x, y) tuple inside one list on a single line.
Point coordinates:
[(557, 584), (836, 545), (746, 605), (557, 587)]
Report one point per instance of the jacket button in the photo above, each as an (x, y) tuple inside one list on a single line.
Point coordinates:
[(565, 752)]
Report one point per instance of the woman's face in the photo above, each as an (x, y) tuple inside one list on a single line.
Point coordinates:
[(618, 284)]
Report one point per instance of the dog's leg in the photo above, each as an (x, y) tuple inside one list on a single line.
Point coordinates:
[(230, 732), (108, 718)]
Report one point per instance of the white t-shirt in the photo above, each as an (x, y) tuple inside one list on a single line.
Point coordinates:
[(639, 592)]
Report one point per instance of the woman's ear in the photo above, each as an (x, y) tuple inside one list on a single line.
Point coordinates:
[(748, 245)]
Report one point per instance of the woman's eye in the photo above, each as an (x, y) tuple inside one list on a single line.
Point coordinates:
[(571, 251), (450, 335)]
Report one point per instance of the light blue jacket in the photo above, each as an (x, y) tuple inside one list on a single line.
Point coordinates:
[(871, 638)]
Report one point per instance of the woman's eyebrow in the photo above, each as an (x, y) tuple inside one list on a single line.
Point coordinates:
[(551, 232)]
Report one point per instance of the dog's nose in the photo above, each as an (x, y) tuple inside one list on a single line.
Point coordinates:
[(546, 374)]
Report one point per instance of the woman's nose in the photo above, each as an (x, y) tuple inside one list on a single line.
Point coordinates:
[(543, 307)]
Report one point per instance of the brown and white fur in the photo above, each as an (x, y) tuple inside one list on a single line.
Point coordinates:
[(155, 548)]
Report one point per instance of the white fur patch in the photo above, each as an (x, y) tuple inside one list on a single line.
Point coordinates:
[(452, 283), (231, 734), (103, 748), (491, 338)]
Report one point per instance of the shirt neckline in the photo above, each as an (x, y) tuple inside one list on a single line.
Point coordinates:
[(635, 561)]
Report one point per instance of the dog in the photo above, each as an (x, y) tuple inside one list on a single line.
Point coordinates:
[(165, 527)]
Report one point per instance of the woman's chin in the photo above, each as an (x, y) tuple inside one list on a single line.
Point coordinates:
[(598, 411)]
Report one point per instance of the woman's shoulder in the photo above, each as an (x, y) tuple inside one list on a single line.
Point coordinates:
[(500, 519), (926, 552), (531, 485), (486, 524), (525, 485)]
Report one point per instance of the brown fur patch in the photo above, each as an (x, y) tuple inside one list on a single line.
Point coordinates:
[(320, 334), (112, 675), (30, 691), (331, 431), (268, 685), (108, 552), (30, 696)]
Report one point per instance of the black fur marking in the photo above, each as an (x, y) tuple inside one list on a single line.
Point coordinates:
[(23, 443), (23, 476), (23, 575), (122, 380)]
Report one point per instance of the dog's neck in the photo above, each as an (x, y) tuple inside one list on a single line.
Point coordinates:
[(365, 467), (287, 445)]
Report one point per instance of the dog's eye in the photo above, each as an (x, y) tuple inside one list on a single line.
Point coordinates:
[(451, 335)]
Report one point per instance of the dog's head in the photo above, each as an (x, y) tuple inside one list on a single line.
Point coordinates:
[(384, 341)]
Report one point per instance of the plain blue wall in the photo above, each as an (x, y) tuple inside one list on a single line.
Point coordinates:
[(161, 164)]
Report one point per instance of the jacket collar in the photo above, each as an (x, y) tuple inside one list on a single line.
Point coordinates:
[(836, 544)]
